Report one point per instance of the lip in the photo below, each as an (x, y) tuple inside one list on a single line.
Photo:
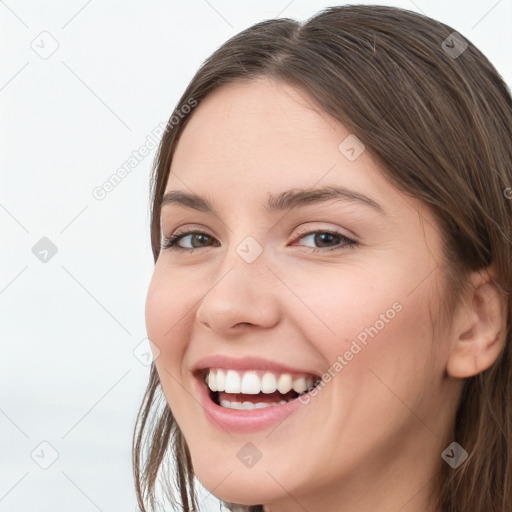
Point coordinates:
[(247, 363), (241, 421)]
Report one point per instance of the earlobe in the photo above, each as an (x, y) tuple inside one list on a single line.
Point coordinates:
[(479, 329)]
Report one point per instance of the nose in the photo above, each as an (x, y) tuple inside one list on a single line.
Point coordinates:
[(246, 294)]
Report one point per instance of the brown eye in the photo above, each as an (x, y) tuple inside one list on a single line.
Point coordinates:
[(330, 240), (195, 239)]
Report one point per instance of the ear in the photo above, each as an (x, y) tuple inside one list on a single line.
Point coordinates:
[(478, 334)]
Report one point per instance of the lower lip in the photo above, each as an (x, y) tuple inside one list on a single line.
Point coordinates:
[(235, 420)]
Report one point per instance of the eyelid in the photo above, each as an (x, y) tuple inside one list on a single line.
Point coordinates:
[(322, 228), (194, 228), (187, 230), (171, 242)]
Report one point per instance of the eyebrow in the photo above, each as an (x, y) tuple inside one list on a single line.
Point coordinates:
[(294, 198)]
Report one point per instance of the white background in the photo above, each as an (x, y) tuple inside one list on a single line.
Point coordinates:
[(68, 374)]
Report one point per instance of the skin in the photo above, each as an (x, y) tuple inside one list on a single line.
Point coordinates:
[(372, 437)]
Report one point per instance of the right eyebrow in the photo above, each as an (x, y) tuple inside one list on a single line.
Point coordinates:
[(189, 200)]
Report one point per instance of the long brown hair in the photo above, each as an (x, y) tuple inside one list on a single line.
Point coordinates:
[(437, 118)]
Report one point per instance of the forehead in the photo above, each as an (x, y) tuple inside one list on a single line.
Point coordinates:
[(260, 136)]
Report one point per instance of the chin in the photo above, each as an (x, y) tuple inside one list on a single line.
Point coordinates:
[(242, 486)]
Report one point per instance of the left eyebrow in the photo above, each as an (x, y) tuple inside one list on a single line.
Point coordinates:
[(301, 197), (287, 200)]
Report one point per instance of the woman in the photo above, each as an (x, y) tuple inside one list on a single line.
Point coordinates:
[(329, 309)]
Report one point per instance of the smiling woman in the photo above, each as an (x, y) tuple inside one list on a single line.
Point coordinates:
[(330, 302)]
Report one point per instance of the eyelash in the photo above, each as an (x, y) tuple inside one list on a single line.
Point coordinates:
[(171, 242)]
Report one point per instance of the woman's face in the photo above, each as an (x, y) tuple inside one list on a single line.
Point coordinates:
[(272, 285)]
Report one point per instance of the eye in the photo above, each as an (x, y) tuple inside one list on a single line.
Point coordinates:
[(322, 240), (327, 240), (196, 238)]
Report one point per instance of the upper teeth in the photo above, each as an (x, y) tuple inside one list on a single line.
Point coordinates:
[(253, 382)]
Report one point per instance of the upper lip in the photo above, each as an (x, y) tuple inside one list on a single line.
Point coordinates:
[(246, 363)]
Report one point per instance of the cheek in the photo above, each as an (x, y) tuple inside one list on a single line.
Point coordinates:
[(337, 304), (360, 321), (164, 305), (165, 313)]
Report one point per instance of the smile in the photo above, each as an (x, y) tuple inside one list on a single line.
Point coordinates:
[(255, 389)]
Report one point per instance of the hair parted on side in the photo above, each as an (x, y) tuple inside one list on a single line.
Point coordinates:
[(440, 129)]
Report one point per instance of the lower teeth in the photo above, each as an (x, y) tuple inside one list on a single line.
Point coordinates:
[(244, 406)]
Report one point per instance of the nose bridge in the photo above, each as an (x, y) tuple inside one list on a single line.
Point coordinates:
[(246, 254), (242, 291)]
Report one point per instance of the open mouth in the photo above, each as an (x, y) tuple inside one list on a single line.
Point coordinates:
[(243, 401), (260, 396)]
